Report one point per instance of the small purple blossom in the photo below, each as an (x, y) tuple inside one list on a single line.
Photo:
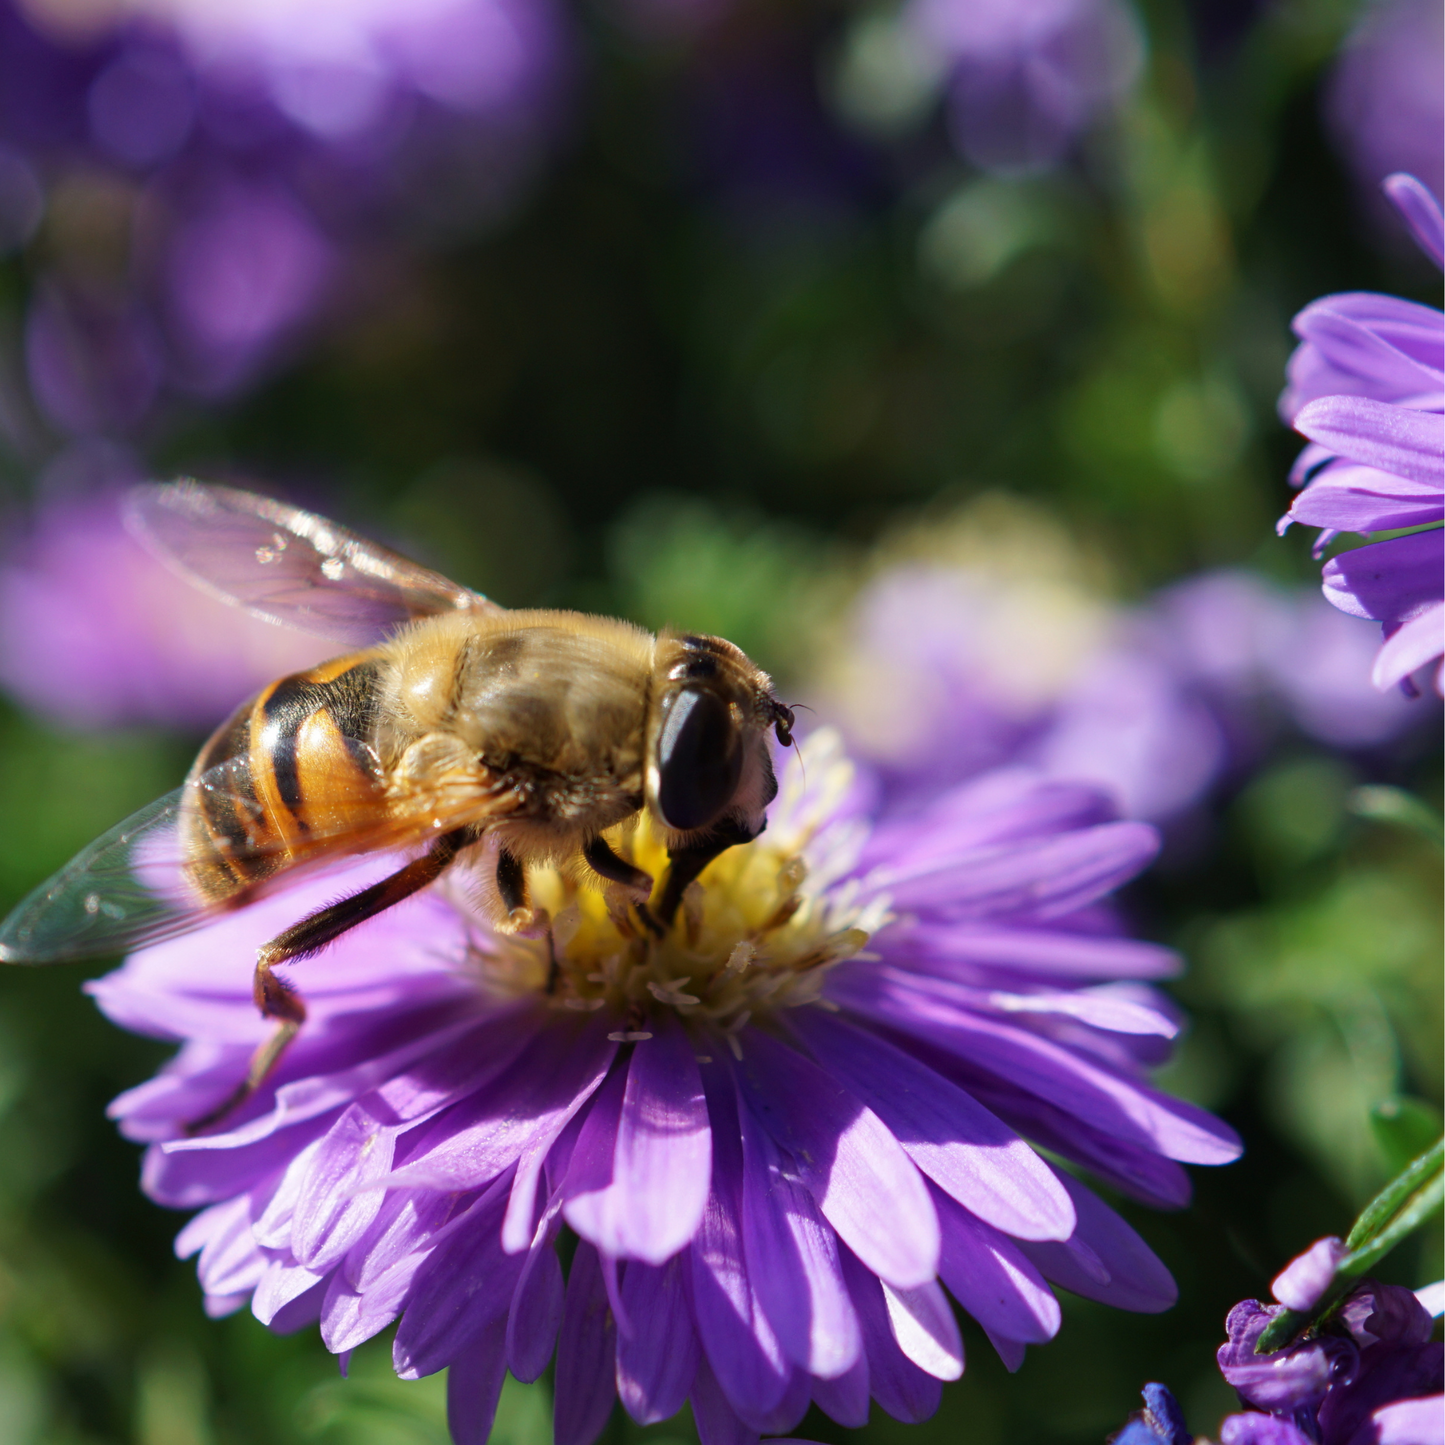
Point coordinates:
[(1301, 1284), (254, 159), (1026, 78), (951, 669), (1385, 102), (94, 632), (1366, 389), (1371, 1374), (780, 1133)]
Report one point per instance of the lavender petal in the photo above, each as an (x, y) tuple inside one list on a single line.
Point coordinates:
[(465, 1284), (1394, 438), (656, 1363), (474, 1385), (654, 1199), (716, 1420), (865, 1185), (963, 1148), (792, 1257), (844, 1399), (1421, 212), (989, 1276), (338, 1199), (1132, 1276), (900, 1387), (586, 1354), (924, 1327), (537, 1304)]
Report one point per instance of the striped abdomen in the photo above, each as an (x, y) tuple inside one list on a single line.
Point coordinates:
[(301, 779)]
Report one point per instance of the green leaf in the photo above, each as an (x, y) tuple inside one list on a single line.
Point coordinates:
[(1404, 1204), (1405, 810), (1404, 1128)]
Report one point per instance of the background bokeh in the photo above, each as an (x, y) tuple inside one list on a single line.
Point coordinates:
[(928, 351)]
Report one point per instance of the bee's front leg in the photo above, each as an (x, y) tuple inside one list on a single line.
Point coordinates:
[(636, 882)]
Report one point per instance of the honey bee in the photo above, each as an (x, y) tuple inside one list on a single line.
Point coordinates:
[(457, 724)]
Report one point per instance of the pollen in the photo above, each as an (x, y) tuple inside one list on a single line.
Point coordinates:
[(759, 931)]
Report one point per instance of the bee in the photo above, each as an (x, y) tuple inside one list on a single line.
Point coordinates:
[(453, 732)]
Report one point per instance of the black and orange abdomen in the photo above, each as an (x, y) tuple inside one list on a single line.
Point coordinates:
[(292, 775)]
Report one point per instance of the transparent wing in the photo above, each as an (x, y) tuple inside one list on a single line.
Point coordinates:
[(291, 567), (130, 887)]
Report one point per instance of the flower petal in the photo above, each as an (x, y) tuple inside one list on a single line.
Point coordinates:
[(989, 1276), (925, 1329), (474, 1385), (1421, 212), (653, 1201), (536, 1311), (1409, 647), (656, 1363), (1396, 439), (1391, 581), (792, 1257), (900, 1387), (963, 1148), (1133, 1277), (1352, 498), (1050, 952), (844, 1399), (716, 1420), (865, 1185), (1044, 879), (1110, 1102), (336, 1206), (465, 1284), (586, 1354)]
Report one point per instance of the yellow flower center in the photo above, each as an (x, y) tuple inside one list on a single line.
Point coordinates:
[(751, 935)]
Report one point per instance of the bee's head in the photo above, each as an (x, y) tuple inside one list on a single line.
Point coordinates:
[(707, 739)]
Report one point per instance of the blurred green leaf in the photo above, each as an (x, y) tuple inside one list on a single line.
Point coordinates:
[(1405, 810)]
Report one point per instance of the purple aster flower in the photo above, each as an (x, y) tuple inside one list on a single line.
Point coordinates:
[(96, 633), (1027, 77), (1366, 389), (1385, 102), (1370, 1374), (947, 670), (254, 158), (779, 1133)]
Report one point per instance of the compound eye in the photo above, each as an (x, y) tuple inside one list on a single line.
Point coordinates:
[(699, 760)]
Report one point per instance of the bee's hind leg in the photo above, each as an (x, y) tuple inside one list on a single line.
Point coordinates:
[(278, 1000)]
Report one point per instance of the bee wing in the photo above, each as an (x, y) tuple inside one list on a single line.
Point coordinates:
[(129, 887), (291, 567)]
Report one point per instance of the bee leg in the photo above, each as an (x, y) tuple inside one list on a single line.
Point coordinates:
[(684, 864), (511, 883), (637, 883), (278, 1000)]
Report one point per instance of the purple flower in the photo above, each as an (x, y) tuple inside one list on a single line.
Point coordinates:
[(96, 633), (1301, 1284), (1160, 1422), (1027, 77), (1385, 102), (779, 1133), (947, 670), (1348, 1383), (1366, 389), (252, 160)]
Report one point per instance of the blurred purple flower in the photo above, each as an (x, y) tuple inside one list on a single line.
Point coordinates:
[(1385, 102), (1160, 1422), (94, 632), (265, 153), (1027, 77), (776, 1148), (945, 671), (243, 269), (1376, 461), (1371, 1370)]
